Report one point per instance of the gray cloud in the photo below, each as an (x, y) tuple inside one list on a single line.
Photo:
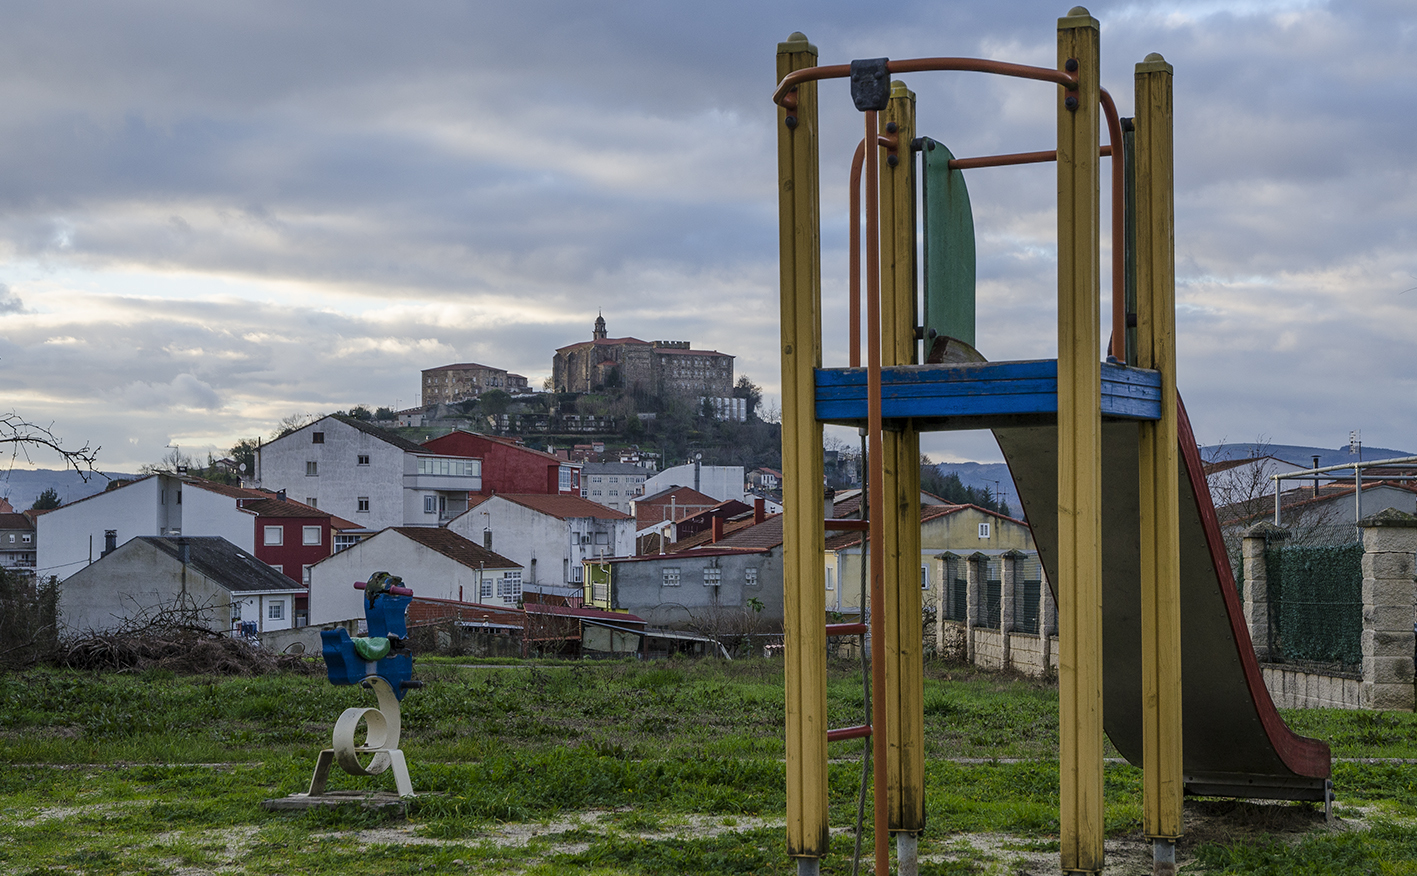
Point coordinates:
[(9, 301), (225, 214)]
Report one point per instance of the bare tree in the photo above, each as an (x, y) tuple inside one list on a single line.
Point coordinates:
[(293, 423), (22, 436), (1242, 490), (731, 627)]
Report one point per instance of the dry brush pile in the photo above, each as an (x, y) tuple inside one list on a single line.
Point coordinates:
[(177, 637)]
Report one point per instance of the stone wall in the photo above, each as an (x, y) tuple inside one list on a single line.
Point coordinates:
[(984, 644), (1389, 671), (1294, 688)]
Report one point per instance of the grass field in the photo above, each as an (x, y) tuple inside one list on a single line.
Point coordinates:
[(605, 768)]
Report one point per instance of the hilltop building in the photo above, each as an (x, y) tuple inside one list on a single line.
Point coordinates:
[(634, 365), (448, 384)]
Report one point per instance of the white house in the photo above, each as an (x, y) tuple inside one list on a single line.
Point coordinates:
[(551, 536), (436, 563), (723, 482), (219, 582), (362, 473), (73, 536)]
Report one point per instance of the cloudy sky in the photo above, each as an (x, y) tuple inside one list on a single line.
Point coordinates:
[(216, 215)]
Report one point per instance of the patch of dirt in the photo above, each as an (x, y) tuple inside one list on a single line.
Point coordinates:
[(59, 813), (1206, 821)]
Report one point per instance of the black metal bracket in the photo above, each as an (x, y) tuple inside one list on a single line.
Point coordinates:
[(870, 84)]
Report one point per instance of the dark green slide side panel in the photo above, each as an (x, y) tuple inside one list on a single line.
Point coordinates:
[(949, 246)]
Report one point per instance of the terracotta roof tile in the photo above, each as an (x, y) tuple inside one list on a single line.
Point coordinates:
[(277, 508), (462, 366), (562, 507)]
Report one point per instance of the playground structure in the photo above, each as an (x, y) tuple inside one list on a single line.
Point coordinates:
[(380, 661), (1101, 453)]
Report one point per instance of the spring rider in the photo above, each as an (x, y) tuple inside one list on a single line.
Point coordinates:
[(381, 661)]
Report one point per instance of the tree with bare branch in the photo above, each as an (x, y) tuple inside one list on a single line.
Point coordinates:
[(22, 436)]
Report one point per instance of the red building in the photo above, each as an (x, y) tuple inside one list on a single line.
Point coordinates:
[(509, 467), (290, 536)]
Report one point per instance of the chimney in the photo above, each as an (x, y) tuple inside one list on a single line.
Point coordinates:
[(828, 503), (110, 542), (717, 530), (760, 510), (1316, 478), (280, 495), (184, 552)]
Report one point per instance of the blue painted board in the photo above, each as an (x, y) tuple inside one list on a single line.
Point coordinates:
[(975, 392)]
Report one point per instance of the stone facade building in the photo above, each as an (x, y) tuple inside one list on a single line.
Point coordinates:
[(448, 384), (660, 367)]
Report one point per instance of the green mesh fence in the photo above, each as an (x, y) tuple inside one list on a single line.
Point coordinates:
[(1028, 616), (1316, 603), (993, 593), (959, 601)]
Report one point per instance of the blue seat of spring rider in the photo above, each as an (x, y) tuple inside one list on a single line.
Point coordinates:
[(382, 653)]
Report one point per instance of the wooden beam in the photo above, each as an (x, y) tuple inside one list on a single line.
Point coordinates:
[(1079, 452), (904, 693), (1163, 782), (803, 550)]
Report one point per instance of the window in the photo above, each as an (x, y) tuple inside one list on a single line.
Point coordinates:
[(311, 500), (750, 577), (983, 530), (563, 479), (344, 542), (486, 588), (276, 610), (428, 465), (595, 480), (312, 469), (305, 575), (924, 577), (614, 480), (671, 577), (26, 539), (595, 493), (614, 492), (831, 578), (430, 504), (317, 437), (279, 568), (712, 576), (363, 506), (510, 587), (274, 535), (363, 459), (310, 535), (12, 538), (602, 538)]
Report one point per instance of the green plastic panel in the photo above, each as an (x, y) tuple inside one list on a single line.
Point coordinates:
[(949, 246)]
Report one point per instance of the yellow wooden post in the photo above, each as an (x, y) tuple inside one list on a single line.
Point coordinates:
[(1160, 490), (1079, 453), (804, 599), (904, 693)]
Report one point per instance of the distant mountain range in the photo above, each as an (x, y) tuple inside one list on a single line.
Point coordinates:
[(1298, 454), (22, 486), (996, 477)]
